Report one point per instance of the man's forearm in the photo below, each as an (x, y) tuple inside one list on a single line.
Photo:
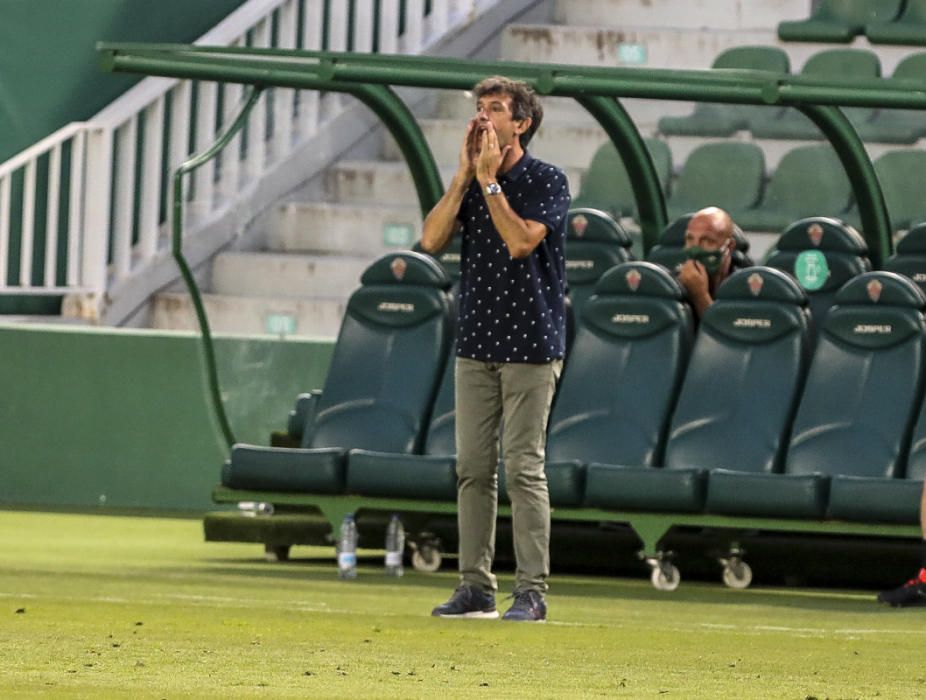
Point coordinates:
[(441, 222), (520, 237)]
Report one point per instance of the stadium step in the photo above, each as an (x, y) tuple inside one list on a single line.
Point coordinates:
[(319, 317), (458, 106), (717, 14), (286, 275), (569, 146), (630, 46), (347, 229), (376, 182)]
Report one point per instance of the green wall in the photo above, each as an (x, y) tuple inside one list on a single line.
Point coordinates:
[(49, 69), (123, 415)]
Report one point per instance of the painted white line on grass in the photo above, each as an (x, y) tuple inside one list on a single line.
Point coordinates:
[(218, 602)]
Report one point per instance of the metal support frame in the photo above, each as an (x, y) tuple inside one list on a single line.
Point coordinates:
[(818, 99), (368, 76), (208, 348)]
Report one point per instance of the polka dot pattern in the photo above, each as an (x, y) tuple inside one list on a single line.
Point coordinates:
[(513, 310)]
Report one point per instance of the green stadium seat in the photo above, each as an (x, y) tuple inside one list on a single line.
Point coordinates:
[(910, 257), (724, 174), (835, 64), (741, 387), (839, 21), (843, 247), (716, 120), (899, 125), (900, 174), (595, 244), (617, 393), (908, 28), (431, 475), (752, 342), (606, 184), (808, 181), (380, 385), (884, 499), (854, 419)]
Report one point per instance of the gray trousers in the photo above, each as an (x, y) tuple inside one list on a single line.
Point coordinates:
[(516, 398)]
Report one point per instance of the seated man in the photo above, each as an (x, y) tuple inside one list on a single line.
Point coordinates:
[(709, 244), (913, 592)]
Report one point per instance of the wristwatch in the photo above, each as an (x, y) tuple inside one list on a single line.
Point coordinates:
[(493, 188)]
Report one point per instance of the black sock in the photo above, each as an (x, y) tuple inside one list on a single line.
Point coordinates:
[(923, 554)]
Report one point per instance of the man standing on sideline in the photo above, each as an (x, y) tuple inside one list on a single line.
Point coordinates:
[(709, 244), (510, 210)]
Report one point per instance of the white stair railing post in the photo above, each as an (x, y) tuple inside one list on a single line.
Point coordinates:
[(204, 177), (4, 226), (257, 122), (51, 217), (28, 225), (76, 207), (179, 146), (338, 26), (312, 19), (151, 178), (287, 29), (389, 26), (414, 26), (363, 26), (97, 191), (439, 19), (124, 185)]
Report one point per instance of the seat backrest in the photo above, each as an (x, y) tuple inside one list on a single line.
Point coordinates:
[(388, 358), (914, 12), (741, 387), (912, 67), (631, 347), (723, 174), (910, 256), (769, 58), (606, 184), (864, 383), (809, 180), (669, 251), (858, 12), (596, 243), (849, 64), (841, 254), (900, 174)]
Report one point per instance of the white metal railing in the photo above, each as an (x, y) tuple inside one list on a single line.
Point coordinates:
[(86, 207)]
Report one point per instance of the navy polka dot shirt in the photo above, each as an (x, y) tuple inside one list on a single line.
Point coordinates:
[(513, 310)]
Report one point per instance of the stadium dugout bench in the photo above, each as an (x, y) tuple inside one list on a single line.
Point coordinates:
[(592, 417)]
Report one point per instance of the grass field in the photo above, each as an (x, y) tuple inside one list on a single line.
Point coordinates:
[(105, 606)]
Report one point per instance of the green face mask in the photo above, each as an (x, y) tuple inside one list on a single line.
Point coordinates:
[(711, 259)]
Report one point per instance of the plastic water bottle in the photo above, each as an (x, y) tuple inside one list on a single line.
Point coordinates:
[(347, 548), (255, 508), (395, 546)]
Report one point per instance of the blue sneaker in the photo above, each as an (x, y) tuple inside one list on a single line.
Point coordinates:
[(528, 606), (468, 601)]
